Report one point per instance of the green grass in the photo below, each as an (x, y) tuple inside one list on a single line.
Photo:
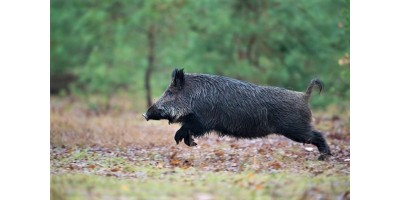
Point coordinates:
[(154, 183)]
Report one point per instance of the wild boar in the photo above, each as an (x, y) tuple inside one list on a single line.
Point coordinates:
[(203, 103)]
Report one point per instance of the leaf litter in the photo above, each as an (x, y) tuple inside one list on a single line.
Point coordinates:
[(74, 151)]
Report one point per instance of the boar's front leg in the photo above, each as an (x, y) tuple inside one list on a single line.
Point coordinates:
[(189, 140), (185, 134)]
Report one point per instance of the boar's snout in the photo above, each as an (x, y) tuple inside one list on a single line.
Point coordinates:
[(154, 113)]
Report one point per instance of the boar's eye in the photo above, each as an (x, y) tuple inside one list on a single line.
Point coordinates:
[(168, 92)]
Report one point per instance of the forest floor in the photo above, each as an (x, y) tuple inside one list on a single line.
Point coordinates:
[(118, 155)]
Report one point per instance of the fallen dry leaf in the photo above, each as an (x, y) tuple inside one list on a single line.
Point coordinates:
[(219, 152), (115, 169), (174, 162), (173, 155), (275, 165), (259, 187), (160, 165), (250, 176)]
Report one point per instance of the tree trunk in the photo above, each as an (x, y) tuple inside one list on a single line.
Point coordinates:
[(150, 63), (253, 60)]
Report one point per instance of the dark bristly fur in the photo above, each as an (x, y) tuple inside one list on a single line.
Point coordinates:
[(203, 103)]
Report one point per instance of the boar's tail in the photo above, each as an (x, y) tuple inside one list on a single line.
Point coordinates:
[(314, 82)]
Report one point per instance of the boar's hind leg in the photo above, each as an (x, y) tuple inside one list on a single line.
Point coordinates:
[(315, 138), (184, 134), (319, 141)]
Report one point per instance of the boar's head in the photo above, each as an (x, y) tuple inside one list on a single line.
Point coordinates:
[(174, 103)]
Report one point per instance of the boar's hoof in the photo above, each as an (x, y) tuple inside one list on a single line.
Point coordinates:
[(178, 140), (179, 137), (323, 157), (189, 141)]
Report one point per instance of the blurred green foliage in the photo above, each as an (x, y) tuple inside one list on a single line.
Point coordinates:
[(103, 44)]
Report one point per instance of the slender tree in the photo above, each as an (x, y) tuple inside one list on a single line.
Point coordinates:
[(150, 62)]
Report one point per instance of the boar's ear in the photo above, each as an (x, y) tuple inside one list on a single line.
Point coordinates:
[(178, 78)]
